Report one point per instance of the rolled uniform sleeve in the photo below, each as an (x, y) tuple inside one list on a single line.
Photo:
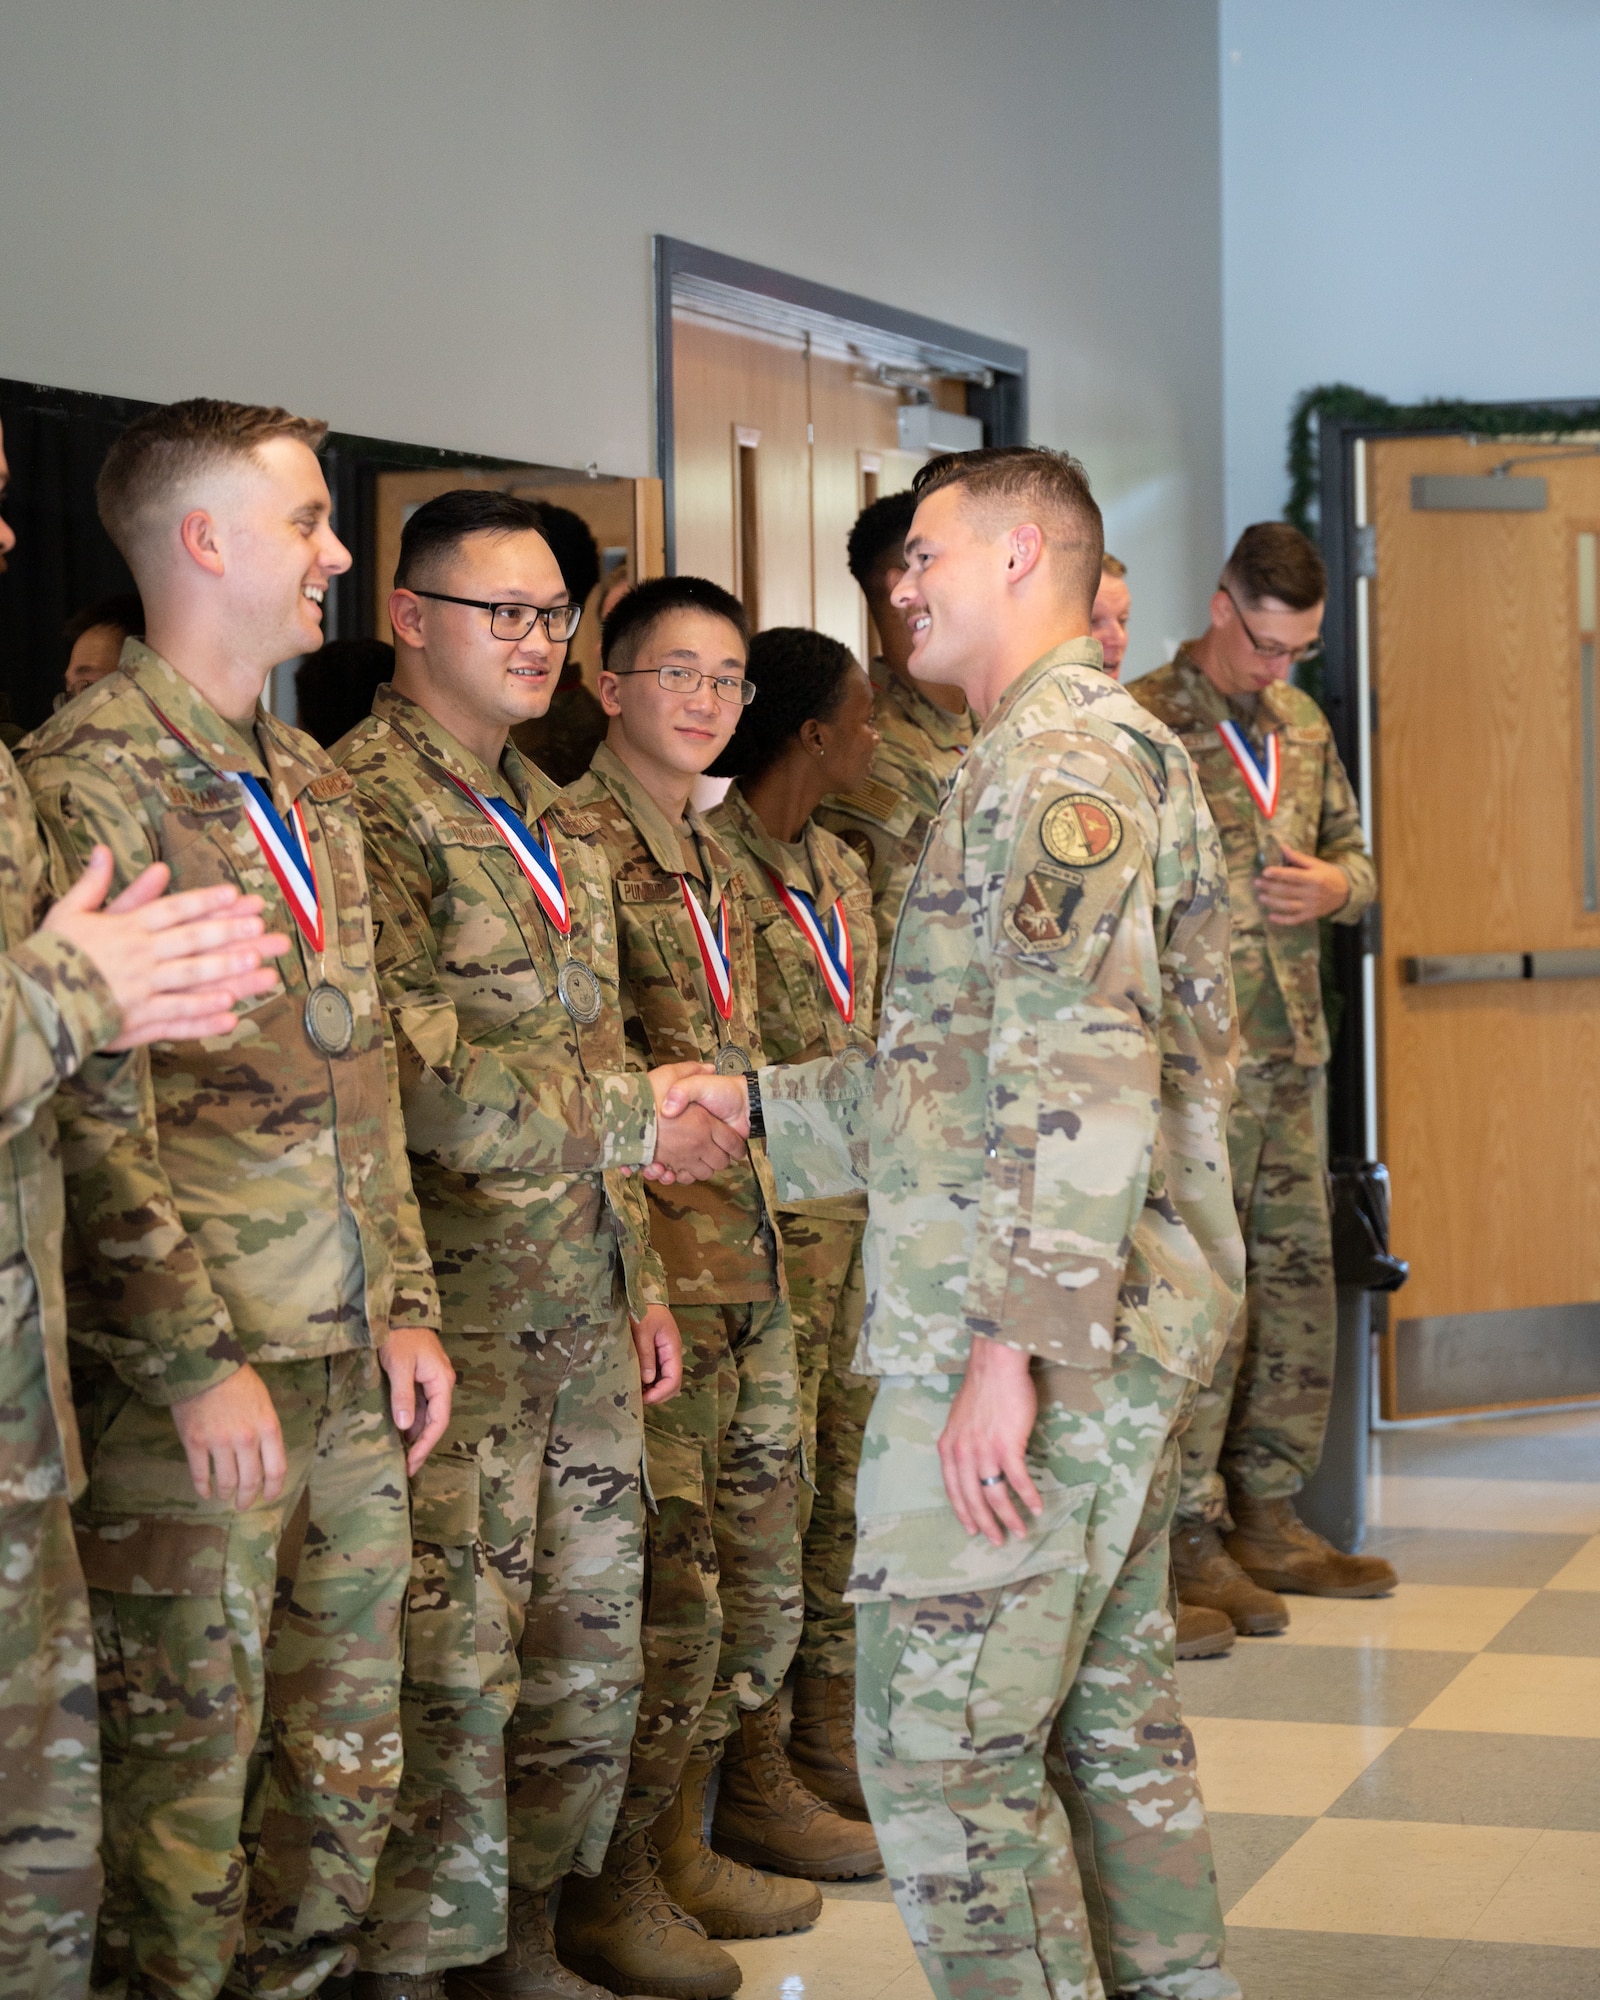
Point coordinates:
[(1074, 1066), (467, 1106), (1341, 840), (155, 1315)]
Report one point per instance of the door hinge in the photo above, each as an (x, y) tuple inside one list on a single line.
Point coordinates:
[(1370, 929), (811, 433), (1366, 551)]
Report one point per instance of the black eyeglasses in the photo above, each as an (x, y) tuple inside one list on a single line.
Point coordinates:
[(1272, 650), (686, 680), (516, 621)]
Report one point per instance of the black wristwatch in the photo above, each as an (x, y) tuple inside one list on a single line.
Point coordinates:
[(758, 1124)]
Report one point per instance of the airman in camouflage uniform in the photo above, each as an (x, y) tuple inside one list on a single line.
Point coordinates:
[(1257, 1430), (238, 1201), (799, 1022)]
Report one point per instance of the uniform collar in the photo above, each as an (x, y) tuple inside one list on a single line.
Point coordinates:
[(531, 791), (671, 851), (1210, 704), (816, 876), (286, 758), (1074, 653), (948, 731)]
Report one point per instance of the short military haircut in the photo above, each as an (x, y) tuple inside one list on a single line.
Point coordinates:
[(1111, 565), (631, 619), (573, 545), (440, 525), (1010, 483), (165, 450), (879, 536), (123, 613), (799, 675), (1271, 559)]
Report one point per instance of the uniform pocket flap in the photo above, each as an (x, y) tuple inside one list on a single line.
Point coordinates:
[(927, 1552), (674, 1469), (444, 1503), (153, 1558)]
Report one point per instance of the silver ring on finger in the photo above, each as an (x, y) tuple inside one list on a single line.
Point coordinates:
[(994, 1479)]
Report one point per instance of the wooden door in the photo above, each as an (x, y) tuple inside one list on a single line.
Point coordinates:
[(1484, 759)]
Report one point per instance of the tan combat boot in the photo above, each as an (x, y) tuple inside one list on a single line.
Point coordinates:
[(766, 1817), (398, 1986), (1208, 1576), (727, 1899), (528, 1968), (822, 1742), (1203, 1634), (1274, 1547), (621, 1929)]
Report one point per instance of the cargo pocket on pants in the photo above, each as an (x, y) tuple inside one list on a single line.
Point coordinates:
[(441, 1639), (951, 1693)]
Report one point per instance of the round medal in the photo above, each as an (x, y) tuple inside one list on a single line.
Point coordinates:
[(579, 992), (330, 1020), (733, 1061)]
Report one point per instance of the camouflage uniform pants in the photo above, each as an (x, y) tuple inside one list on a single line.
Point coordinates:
[(1258, 1427), (822, 1263), (194, 1657), (1029, 1775), (522, 1640), (722, 1547), (49, 1758)]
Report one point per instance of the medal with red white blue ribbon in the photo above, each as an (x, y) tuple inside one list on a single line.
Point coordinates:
[(1261, 778), (535, 854), (835, 958), (732, 1060)]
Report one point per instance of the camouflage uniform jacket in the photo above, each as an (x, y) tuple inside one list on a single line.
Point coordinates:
[(887, 820), (1277, 968), (716, 1237), (54, 1009), (799, 1018), (514, 1112), (244, 1198), (1046, 1151)]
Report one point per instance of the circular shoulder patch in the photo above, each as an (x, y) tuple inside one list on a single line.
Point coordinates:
[(1080, 830)]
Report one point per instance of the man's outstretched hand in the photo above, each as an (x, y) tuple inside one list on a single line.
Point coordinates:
[(176, 965), (692, 1143)]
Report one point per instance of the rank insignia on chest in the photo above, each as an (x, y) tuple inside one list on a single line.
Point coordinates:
[(1042, 916), (1080, 830)]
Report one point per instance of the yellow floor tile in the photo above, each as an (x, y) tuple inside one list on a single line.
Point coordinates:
[(1582, 1573), (1386, 1878), (1428, 1617), (854, 1951), (1528, 1506), (1523, 1694), (1281, 1767), (1552, 1896)]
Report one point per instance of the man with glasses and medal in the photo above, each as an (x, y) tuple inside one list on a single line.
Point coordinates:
[(250, 1265), (1291, 835), (497, 958), (723, 1459)]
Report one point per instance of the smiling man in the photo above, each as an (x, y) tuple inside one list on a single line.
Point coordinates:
[(497, 955), (1052, 1265), (252, 1263)]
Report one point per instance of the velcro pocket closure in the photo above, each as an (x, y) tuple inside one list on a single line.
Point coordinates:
[(444, 1503), (674, 1469), (925, 1551), (153, 1557)]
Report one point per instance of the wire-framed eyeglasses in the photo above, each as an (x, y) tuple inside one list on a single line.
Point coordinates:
[(686, 680), (1271, 650), (516, 621)]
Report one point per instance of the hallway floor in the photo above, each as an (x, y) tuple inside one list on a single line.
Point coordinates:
[(1404, 1793)]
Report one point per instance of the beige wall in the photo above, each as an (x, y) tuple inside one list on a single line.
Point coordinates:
[(432, 221)]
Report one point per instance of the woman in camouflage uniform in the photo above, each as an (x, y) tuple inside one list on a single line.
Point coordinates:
[(810, 735)]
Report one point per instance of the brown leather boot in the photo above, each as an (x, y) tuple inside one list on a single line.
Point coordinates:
[(528, 1968), (1208, 1576), (822, 1741), (1274, 1547), (1202, 1632), (766, 1817), (727, 1899), (621, 1929)]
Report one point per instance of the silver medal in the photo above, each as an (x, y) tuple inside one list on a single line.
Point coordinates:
[(330, 1020), (733, 1060), (579, 992)]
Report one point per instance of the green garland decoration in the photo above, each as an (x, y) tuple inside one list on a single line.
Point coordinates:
[(1439, 413)]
